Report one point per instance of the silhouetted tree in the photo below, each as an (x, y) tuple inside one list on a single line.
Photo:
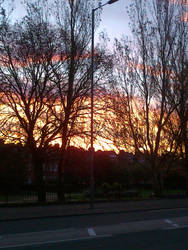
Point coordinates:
[(45, 73), (72, 79), (142, 100), (27, 48)]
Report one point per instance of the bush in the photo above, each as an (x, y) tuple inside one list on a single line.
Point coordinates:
[(131, 194), (117, 187), (106, 188)]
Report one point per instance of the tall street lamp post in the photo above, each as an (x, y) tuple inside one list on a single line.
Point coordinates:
[(92, 103)]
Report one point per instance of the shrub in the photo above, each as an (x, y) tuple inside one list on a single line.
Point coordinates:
[(106, 188)]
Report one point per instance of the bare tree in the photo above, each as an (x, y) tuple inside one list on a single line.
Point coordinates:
[(182, 111), (180, 94), (142, 98), (72, 74), (27, 49), (45, 74), (179, 89)]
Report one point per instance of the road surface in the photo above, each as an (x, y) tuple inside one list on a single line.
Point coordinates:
[(151, 230)]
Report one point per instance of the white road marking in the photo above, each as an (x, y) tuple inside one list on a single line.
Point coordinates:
[(171, 223), (55, 241), (168, 221), (91, 232)]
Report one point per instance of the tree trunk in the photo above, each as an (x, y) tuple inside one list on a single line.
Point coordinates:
[(60, 185), (185, 166), (184, 124), (38, 176), (157, 184)]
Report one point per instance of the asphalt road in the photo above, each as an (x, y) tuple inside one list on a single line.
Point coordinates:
[(149, 240), (56, 223), (151, 230)]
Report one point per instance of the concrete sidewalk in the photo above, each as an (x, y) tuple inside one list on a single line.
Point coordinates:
[(28, 212)]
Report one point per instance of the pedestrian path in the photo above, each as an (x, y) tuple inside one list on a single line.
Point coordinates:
[(25, 212)]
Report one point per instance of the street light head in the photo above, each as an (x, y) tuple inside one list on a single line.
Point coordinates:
[(112, 1)]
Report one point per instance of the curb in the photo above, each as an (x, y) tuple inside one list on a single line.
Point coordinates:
[(92, 213)]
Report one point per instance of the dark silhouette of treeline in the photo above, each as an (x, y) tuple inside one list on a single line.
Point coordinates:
[(124, 170)]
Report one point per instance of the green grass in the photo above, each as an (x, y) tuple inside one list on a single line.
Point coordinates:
[(146, 194), (11, 198), (174, 192)]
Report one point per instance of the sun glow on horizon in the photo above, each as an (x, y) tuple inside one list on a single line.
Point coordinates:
[(98, 144), (82, 141)]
